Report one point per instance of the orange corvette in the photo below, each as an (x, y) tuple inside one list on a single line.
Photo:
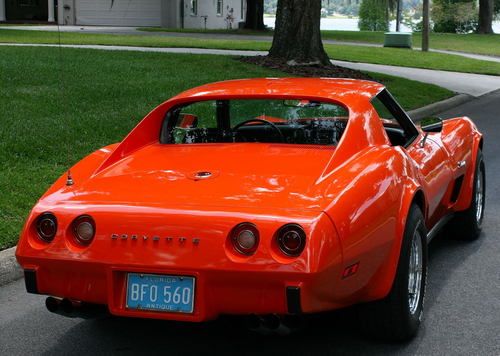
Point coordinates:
[(265, 197)]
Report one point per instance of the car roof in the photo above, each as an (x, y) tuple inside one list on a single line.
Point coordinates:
[(341, 90), (354, 94)]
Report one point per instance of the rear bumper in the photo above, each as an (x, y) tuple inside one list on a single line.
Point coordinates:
[(225, 281), (217, 291)]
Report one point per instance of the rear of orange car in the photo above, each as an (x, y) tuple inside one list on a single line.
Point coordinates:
[(182, 251)]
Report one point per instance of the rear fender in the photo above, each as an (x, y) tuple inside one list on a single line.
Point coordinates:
[(371, 202), (462, 140), (381, 283)]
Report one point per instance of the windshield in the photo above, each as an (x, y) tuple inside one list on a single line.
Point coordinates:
[(272, 121)]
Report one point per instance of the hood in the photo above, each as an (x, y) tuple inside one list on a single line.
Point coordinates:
[(281, 176)]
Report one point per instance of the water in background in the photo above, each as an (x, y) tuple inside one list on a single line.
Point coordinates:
[(352, 24)]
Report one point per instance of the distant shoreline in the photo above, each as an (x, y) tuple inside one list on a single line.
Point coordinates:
[(336, 23)]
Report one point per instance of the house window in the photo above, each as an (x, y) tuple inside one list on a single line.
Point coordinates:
[(220, 7), (194, 7), (242, 9)]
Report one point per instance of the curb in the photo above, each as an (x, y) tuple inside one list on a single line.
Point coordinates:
[(440, 106), (9, 269)]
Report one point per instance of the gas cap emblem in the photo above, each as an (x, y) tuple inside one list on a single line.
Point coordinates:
[(203, 174)]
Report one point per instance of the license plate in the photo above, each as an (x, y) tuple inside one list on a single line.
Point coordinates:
[(160, 293)]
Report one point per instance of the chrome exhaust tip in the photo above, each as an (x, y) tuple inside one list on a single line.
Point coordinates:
[(52, 304), (272, 324), (74, 309)]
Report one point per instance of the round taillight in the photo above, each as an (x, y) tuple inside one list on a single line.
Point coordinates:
[(46, 227), (291, 240), (245, 238), (84, 229)]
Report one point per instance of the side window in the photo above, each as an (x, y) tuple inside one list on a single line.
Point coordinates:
[(193, 120), (398, 126), (384, 114), (204, 112)]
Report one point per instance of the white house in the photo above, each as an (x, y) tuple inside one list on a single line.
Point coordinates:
[(210, 14)]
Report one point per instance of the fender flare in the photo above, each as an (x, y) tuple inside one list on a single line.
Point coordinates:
[(381, 284), (465, 198)]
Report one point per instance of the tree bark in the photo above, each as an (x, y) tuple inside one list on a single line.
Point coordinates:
[(297, 36), (255, 15), (485, 16), (425, 26), (398, 15)]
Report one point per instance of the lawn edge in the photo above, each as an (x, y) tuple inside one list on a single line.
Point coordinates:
[(439, 106)]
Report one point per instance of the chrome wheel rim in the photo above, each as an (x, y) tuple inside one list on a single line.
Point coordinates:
[(479, 196), (415, 272)]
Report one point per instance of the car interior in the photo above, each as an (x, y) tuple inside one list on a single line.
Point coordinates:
[(264, 121)]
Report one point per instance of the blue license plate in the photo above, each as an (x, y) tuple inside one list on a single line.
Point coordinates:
[(160, 293)]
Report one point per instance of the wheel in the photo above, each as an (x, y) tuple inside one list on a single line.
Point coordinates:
[(397, 317), (467, 224)]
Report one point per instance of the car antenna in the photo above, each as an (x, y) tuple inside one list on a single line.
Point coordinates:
[(69, 178)]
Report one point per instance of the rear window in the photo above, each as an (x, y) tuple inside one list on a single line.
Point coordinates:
[(267, 121)]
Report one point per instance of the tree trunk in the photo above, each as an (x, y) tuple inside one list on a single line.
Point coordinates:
[(425, 26), (485, 16), (255, 15), (398, 15), (297, 36)]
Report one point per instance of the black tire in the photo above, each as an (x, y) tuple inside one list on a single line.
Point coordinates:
[(467, 224), (395, 318)]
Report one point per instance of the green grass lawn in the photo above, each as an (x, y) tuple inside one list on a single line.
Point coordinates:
[(389, 56), (25, 36), (268, 32), (470, 43), (412, 58), (105, 95)]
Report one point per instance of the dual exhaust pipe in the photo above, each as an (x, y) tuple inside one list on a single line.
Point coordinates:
[(274, 324), (73, 309), (263, 324)]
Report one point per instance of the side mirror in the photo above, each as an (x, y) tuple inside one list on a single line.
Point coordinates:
[(188, 121), (431, 124)]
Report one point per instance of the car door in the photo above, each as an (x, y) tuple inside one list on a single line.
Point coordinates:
[(425, 149), (433, 163)]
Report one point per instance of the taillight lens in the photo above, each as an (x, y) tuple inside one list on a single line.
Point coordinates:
[(84, 229), (245, 238), (46, 227), (291, 239)]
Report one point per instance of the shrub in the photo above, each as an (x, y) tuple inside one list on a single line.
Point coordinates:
[(373, 15), (455, 16)]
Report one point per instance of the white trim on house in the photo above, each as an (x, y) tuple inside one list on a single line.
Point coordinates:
[(51, 11), (2, 10)]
